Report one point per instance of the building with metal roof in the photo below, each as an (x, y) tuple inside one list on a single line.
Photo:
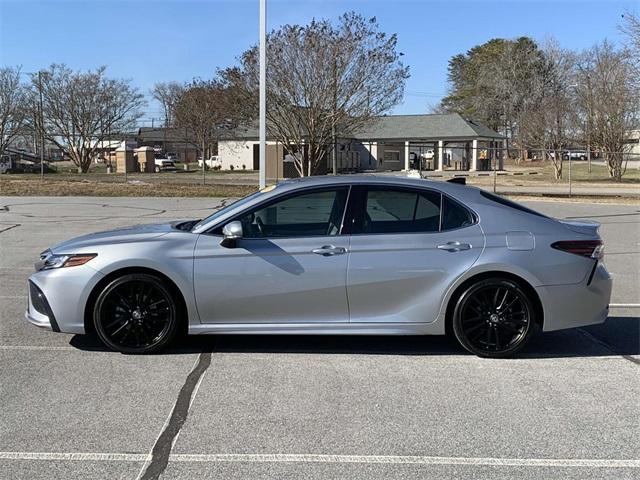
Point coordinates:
[(387, 143)]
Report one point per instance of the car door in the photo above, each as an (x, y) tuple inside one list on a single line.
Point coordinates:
[(407, 248), (289, 267)]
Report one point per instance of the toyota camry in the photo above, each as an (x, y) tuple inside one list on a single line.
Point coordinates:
[(357, 255)]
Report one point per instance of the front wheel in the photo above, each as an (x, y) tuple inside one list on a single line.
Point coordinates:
[(494, 318), (136, 313)]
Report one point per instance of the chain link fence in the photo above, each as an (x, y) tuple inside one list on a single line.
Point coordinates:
[(484, 165)]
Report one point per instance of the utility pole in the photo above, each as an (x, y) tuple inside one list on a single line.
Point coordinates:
[(589, 123), (41, 126), (569, 152), (263, 93), (333, 117), (204, 177)]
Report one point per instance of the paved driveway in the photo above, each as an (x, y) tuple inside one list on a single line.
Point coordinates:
[(310, 407)]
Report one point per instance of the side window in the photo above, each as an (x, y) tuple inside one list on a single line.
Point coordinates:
[(455, 215), (401, 211), (316, 213)]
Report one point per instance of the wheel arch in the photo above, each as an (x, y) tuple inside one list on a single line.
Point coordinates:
[(173, 287), (523, 283)]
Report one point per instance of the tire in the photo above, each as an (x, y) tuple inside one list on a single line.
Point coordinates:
[(494, 318), (136, 314), (157, 169)]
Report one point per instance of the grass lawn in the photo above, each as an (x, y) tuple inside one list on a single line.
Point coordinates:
[(25, 185), (68, 182), (579, 172)]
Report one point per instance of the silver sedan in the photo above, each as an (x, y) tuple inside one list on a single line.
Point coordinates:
[(332, 255)]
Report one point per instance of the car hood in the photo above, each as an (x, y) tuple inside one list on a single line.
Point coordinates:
[(136, 233)]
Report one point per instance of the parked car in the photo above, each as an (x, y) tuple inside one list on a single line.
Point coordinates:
[(213, 162), (332, 255), (32, 167), (575, 155), (164, 164), (6, 164), (173, 156), (12, 165)]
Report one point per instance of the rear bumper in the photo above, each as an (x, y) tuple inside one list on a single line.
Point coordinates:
[(577, 305)]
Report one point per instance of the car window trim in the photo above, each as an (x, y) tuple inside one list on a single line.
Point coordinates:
[(283, 196)]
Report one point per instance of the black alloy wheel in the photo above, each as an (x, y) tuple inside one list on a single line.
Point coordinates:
[(494, 318), (136, 313)]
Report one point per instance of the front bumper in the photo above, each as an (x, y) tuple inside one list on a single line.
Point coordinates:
[(577, 305), (39, 311), (57, 298)]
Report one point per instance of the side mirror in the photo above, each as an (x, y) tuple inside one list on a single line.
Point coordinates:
[(231, 232)]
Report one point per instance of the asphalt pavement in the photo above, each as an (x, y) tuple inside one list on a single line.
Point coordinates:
[(310, 407)]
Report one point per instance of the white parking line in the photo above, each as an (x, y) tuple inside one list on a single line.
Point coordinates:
[(319, 458), (37, 347), (76, 457)]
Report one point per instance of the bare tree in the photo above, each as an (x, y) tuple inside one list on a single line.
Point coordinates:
[(323, 82), (81, 107), (631, 28), (12, 106), (548, 122), (167, 94), (609, 98), (205, 109)]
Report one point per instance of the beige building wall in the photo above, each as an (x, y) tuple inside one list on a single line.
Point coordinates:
[(635, 147), (236, 153)]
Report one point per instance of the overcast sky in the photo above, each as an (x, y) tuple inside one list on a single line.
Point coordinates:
[(149, 41)]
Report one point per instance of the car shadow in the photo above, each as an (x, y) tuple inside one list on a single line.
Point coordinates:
[(617, 336)]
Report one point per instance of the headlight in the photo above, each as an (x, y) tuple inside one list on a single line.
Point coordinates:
[(49, 260)]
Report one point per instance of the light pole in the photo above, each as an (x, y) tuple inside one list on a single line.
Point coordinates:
[(41, 126), (263, 93)]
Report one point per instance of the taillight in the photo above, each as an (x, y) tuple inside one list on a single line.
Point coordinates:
[(585, 248)]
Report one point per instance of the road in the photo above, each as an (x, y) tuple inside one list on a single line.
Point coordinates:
[(310, 407)]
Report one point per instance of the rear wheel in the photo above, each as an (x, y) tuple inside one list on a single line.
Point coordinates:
[(136, 313), (494, 318)]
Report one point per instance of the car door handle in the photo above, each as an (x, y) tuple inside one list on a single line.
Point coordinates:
[(329, 250), (454, 246)]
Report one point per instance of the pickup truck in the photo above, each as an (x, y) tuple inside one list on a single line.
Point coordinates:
[(214, 162), (164, 164)]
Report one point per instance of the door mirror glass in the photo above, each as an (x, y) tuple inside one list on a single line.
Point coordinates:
[(231, 232)]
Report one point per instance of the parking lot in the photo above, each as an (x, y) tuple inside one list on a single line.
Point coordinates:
[(310, 407)]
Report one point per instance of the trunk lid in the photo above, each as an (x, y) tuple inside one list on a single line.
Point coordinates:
[(585, 227)]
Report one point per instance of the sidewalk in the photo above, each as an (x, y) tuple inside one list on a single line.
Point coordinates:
[(484, 180), (563, 190)]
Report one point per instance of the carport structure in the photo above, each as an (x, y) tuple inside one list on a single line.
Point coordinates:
[(428, 142)]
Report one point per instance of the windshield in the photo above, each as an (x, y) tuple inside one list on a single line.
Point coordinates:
[(226, 208)]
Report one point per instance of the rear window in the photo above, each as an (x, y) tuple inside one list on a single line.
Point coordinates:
[(509, 203), (455, 215)]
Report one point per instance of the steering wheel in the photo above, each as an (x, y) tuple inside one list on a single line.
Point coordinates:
[(260, 226)]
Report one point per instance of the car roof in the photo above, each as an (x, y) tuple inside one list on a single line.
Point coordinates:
[(455, 189)]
